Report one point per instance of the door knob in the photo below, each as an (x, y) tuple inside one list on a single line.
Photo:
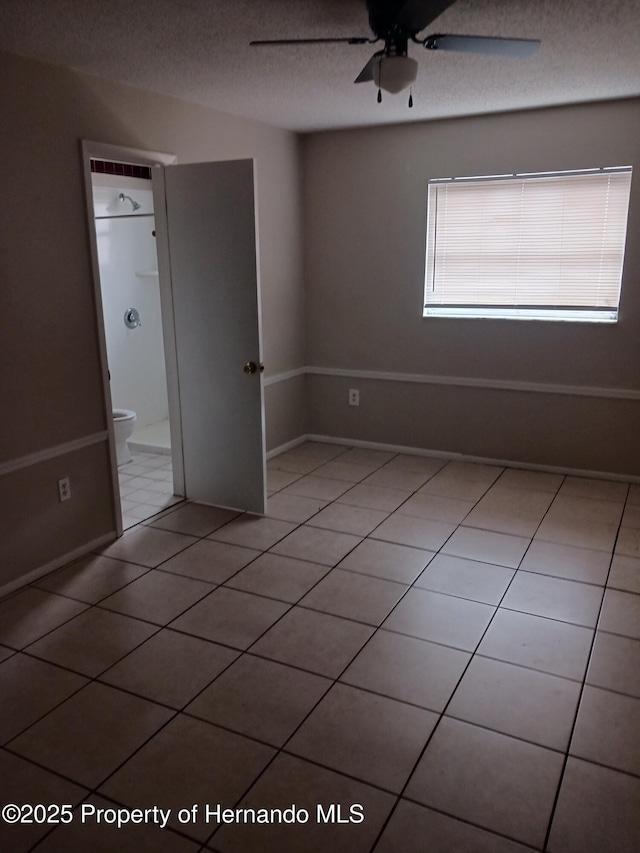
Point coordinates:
[(132, 318), (252, 367)]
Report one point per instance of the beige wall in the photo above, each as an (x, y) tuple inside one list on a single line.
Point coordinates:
[(554, 430), (365, 201), (50, 373), (35, 528), (287, 402), (364, 208)]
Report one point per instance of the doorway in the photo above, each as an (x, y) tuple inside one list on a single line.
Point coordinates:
[(129, 285), (208, 280)]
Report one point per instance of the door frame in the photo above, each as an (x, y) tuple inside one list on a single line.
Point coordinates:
[(102, 151)]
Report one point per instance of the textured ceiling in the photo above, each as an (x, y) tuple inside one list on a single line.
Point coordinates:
[(198, 50)]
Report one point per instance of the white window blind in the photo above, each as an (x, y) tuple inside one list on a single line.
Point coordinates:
[(541, 246)]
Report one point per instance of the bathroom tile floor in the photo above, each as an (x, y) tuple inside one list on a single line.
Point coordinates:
[(146, 487), (450, 649)]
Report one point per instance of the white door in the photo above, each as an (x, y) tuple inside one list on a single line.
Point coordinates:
[(209, 226)]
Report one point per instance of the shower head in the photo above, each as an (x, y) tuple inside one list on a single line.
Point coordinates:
[(123, 197)]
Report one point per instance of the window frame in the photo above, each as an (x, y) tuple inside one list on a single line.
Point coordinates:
[(489, 310)]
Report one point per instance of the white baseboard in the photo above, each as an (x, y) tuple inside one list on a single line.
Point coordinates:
[(70, 557), (144, 447), (289, 445), (463, 457), (348, 442)]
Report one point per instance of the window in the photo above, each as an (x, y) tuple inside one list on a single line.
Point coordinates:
[(530, 247)]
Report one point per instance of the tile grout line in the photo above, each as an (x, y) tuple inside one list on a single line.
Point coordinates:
[(166, 627), (278, 750), (172, 500), (244, 651), (376, 629), (583, 686), (167, 511), (95, 679), (453, 692), (282, 748)]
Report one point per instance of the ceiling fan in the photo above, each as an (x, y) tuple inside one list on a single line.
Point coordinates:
[(396, 23)]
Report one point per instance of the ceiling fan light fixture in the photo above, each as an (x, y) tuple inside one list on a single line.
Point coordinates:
[(395, 73)]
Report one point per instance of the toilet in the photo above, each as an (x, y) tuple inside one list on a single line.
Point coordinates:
[(124, 421)]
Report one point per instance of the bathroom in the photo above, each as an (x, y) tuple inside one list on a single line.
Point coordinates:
[(127, 258)]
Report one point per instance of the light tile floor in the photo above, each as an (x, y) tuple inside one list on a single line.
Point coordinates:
[(146, 486), (451, 649)]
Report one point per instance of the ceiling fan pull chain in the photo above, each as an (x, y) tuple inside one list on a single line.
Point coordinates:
[(410, 98), (379, 96)]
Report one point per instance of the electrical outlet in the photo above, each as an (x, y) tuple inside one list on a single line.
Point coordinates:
[(354, 397), (64, 489)]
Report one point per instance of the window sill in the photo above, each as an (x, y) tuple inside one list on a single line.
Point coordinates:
[(478, 313)]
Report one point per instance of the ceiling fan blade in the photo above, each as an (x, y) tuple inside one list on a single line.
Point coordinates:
[(410, 16), (415, 15), (352, 40), (483, 44), (366, 75)]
